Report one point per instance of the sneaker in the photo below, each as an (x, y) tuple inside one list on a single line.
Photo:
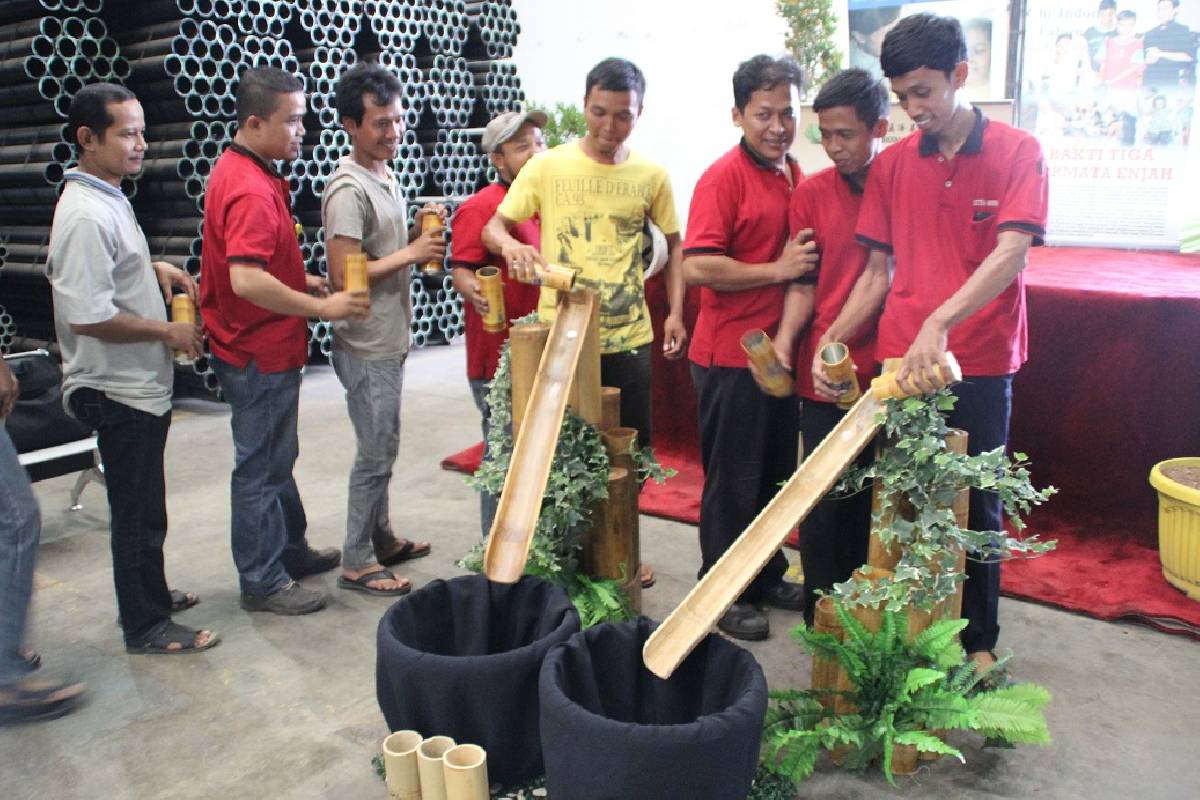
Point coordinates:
[(786, 595), (290, 601), (313, 562), (744, 621)]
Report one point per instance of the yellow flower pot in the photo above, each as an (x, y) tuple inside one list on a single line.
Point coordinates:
[(1178, 527)]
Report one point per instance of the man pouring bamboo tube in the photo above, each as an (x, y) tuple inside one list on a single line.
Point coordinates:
[(593, 196), (851, 110), (509, 141), (365, 216), (738, 250), (957, 205)]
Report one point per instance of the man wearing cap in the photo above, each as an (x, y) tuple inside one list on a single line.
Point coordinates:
[(509, 140)]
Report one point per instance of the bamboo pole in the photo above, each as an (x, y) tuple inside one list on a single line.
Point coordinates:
[(585, 388), (610, 407), (610, 547), (528, 342), (617, 442)]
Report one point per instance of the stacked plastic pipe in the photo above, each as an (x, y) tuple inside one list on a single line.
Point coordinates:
[(183, 59)]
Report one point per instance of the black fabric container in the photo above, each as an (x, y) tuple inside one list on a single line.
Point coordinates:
[(612, 730), (460, 658)]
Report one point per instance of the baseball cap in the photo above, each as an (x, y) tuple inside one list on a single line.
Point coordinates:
[(506, 125)]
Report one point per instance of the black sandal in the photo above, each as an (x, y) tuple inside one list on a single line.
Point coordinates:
[(30, 705), (167, 633), (181, 601), (407, 551)]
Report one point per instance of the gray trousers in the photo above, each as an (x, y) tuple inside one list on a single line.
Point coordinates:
[(487, 500), (373, 399), (20, 531)]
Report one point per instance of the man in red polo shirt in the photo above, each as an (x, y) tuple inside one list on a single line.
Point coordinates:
[(738, 251), (852, 110), (957, 205), (509, 140), (254, 300)]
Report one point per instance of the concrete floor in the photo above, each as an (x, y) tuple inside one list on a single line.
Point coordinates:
[(285, 707)]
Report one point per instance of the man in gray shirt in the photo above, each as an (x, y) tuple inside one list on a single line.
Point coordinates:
[(363, 210), (110, 317)]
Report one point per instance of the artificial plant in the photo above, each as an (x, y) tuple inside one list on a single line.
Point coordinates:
[(812, 27), (902, 690), (918, 478), (578, 480)]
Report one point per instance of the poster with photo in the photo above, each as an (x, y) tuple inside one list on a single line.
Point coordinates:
[(985, 24), (1109, 88)]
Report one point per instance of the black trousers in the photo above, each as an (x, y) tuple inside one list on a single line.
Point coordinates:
[(983, 410), (835, 536), (630, 372), (131, 444), (748, 448)]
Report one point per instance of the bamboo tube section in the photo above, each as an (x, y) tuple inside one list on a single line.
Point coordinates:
[(465, 773), (431, 222), (825, 673), (521, 499), (691, 621), (492, 289), (354, 273), (956, 442), (585, 399), (528, 342), (617, 442), (610, 407), (610, 547), (400, 765), (761, 353), (887, 385), (183, 310), (430, 766), (554, 276), (840, 369)]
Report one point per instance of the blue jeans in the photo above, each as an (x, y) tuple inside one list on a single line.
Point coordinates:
[(373, 390), (487, 500), (983, 410), (267, 521), (20, 530)]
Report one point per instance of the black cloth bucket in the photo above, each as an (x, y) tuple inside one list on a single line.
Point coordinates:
[(612, 730), (460, 658)]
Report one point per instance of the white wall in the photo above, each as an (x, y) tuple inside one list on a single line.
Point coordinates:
[(687, 50)]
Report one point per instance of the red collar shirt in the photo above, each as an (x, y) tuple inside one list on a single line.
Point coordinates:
[(940, 218), (828, 204), (739, 209), (248, 219), (467, 250)]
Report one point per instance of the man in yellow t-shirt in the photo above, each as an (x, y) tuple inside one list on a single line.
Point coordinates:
[(593, 196)]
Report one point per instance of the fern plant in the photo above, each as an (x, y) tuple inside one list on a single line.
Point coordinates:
[(902, 689)]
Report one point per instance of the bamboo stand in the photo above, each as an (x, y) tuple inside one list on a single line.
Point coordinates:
[(527, 343), (465, 773), (610, 548), (400, 765), (429, 765)]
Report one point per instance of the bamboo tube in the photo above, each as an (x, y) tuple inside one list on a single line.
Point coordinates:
[(871, 617), (956, 442), (840, 369), (528, 341), (554, 276), (492, 289), (886, 384), (617, 442), (183, 310), (904, 759), (429, 765), (400, 765), (465, 773), (584, 397), (880, 556), (610, 547), (354, 273), (825, 674), (610, 408), (761, 353), (431, 222)]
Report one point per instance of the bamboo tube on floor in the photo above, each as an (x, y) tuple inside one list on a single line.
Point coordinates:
[(617, 442), (904, 759), (430, 766), (492, 289), (584, 398), (465, 773), (354, 273), (610, 547), (610, 408), (400, 765), (528, 342), (840, 368)]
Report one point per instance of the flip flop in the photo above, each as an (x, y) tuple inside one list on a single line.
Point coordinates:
[(159, 641), (29, 705), (646, 573), (407, 551), (181, 601), (363, 583)]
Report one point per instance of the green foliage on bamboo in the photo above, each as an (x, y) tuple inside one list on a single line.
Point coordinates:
[(902, 690), (812, 30)]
